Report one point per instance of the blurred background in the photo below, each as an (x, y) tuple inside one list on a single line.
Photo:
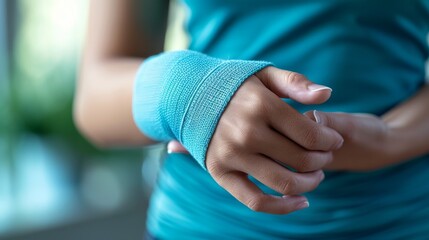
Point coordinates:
[(53, 183)]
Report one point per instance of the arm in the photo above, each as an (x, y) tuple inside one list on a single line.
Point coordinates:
[(193, 97), (371, 143), (236, 132), (117, 41), (409, 124)]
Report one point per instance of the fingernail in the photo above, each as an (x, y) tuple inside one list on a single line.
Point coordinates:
[(317, 117), (316, 88), (303, 205), (169, 151)]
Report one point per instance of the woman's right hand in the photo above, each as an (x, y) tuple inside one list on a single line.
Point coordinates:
[(258, 134)]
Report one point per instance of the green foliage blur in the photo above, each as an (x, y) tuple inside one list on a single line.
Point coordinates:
[(47, 49)]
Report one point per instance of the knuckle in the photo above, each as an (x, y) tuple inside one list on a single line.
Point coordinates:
[(311, 137), (213, 167), (257, 101), (247, 136), (219, 174), (294, 78), (228, 152), (289, 185), (305, 162), (256, 203), (219, 154), (218, 165), (259, 105)]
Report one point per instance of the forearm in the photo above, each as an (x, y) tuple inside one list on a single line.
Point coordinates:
[(121, 33), (103, 103), (409, 127)]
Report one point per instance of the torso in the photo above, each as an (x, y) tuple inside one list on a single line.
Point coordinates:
[(372, 53)]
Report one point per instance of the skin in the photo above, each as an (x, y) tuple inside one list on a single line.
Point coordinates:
[(371, 142), (115, 46), (258, 133), (254, 121)]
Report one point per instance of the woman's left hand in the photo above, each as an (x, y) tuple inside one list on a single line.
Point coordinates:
[(368, 141)]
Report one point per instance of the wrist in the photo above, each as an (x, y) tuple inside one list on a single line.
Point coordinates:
[(397, 144), (182, 95)]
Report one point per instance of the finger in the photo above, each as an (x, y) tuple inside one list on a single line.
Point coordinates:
[(341, 122), (305, 132), (288, 153), (238, 185), (287, 84), (280, 179), (175, 147), (347, 124)]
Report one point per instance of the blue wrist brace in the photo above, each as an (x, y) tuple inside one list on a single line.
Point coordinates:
[(181, 95)]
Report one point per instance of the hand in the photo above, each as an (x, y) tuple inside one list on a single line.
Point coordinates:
[(259, 134), (366, 140)]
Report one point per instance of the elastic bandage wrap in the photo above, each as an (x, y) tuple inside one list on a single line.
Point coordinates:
[(182, 94)]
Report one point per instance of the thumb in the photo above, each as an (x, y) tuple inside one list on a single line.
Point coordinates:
[(341, 122), (348, 124), (287, 84)]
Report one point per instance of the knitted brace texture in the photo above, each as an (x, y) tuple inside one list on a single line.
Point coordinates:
[(181, 95)]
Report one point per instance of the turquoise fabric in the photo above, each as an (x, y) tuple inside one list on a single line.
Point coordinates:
[(372, 53), (181, 95)]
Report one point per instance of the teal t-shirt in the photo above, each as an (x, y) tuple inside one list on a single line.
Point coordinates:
[(373, 54)]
